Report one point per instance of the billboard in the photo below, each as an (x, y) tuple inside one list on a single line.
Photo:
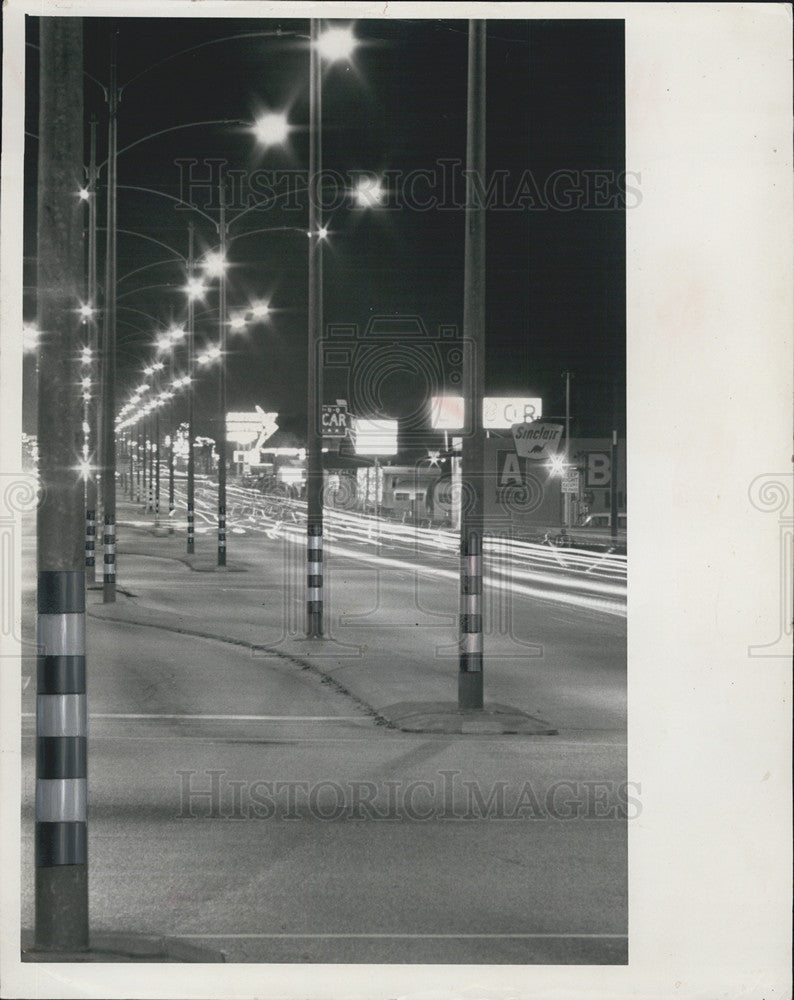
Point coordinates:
[(447, 413), (375, 437)]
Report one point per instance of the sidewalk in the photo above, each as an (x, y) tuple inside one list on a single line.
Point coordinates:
[(391, 634)]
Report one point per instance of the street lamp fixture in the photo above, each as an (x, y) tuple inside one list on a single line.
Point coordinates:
[(30, 338), (260, 310), (368, 192), (195, 288), (335, 44), (237, 322), (84, 194), (271, 128), (215, 264)]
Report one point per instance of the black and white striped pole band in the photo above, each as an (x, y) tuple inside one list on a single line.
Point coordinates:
[(61, 722), (470, 688), (109, 546), (314, 580), (191, 528), (221, 536), (90, 539)]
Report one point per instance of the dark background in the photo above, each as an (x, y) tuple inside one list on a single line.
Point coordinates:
[(555, 278)]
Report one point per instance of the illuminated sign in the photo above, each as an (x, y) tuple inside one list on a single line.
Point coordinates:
[(375, 437), (501, 412), (537, 440), (446, 413), (249, 427), (335, 420)]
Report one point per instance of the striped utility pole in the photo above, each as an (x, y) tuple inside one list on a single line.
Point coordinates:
[(90, 543), (91, 365), (150, 446), (191, 348), (137, 447), (131, 457), (223, 234), (109, 347), (61, 861), (314, 468), (470, 675)]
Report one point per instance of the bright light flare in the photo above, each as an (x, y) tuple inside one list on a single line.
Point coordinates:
[(260, 310), (237, 322), (163, 343), (84, 194), (557, 465), (369, 193), (30, 338), (86, 312), (271, 128), (215, 264), (195, 288), (335, 44)]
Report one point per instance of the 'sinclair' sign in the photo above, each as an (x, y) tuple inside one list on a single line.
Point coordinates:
[(537, 440)]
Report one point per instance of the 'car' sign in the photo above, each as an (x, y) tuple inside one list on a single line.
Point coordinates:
[(335, 420)]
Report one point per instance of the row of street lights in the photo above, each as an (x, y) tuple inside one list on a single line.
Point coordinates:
[(61, 792)]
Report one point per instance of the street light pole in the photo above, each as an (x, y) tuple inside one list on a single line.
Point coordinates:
[(91, 366), (109, 347), (61, 830), (566, 517), (314, 471), (222, 233), (470, 675), (191, 349)]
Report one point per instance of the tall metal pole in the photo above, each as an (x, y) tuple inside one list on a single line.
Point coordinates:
[(109, 346), (314, 470), (613, 493), (222, 233), (470, 675), (566, 497), (171, 441), (191, 459), (61, 853), (138, 462), (144, 460), (150, 495), (92, 367), (157, 463)]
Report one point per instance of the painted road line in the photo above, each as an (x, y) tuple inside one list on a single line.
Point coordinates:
[(221, 718)]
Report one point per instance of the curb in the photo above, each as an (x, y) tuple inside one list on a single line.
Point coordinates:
[(446, 717), (124, 948)]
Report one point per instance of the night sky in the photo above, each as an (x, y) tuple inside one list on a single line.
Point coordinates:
[(555, 271)]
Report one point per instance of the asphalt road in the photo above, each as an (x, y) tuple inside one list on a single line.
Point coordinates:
[(321, 835)]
